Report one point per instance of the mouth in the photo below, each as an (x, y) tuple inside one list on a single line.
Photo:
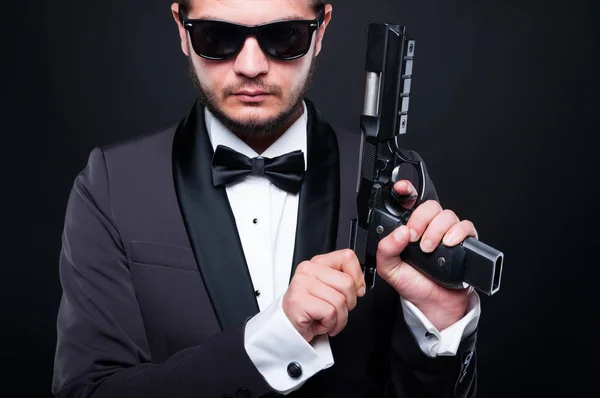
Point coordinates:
[(251, 95)]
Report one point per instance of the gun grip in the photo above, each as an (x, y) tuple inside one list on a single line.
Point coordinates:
[(443, 265)]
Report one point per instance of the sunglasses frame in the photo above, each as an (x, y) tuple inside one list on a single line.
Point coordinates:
[(253, 30)]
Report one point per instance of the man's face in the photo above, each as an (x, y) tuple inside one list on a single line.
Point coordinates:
[(223, 86)]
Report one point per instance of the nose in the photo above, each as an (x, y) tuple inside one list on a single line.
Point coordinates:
[(251, 61)]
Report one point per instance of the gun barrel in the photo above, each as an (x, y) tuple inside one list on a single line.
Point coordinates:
[(371, 107)]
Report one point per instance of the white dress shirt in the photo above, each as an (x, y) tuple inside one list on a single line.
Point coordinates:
[(266, 219)]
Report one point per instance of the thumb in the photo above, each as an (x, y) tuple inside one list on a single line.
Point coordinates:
[(388, 252)]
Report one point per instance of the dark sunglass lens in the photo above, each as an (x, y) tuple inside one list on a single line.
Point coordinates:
[(216, 39), (286, 39)]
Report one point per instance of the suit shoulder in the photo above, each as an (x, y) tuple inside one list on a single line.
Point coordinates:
[(132, 158), (345, 133), (347, 140), (130, 155), (142, 143)]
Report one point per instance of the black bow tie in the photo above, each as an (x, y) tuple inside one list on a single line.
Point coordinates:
[(285, 171)]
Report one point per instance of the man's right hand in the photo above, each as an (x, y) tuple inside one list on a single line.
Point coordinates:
[(322, 292)]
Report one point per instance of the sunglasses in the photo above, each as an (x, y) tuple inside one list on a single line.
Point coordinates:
[(281, 40)]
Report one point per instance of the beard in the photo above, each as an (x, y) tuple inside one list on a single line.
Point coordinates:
[(253, 126)]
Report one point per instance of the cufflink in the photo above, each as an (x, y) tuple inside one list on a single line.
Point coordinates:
[(294, 370)]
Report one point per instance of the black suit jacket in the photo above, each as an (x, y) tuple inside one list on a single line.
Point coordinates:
[(156, 291)]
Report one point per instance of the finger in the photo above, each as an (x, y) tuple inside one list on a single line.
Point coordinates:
[(388, 253), (459, 232), (344, 260), (321, 312), (340, 281), (406, 194), (436, 230), (334, 298), (421, 217), (393, 244), (405, 188)]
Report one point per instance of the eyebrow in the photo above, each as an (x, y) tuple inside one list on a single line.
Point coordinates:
[(284, 18)]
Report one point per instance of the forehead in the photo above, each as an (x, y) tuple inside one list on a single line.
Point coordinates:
[(251, 12)]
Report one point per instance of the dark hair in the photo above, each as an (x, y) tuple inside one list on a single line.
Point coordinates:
[(316, 4)]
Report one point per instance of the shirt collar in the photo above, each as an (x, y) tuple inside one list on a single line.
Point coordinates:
[(293, 139)]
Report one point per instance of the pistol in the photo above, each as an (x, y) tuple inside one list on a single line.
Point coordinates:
[(382, 162)]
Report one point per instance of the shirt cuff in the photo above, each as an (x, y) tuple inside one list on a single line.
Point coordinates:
[(445, 343), (272, 343)]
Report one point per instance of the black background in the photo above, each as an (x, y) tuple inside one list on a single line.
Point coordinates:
[(504, 110)]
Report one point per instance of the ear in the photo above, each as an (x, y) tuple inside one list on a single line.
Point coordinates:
[(321, 31), (183, 36)]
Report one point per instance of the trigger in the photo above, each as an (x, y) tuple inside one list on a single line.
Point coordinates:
[(405, 216), (395, 174), (380, 166)]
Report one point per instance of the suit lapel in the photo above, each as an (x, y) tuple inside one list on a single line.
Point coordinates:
[(319, 200), (210, 224)]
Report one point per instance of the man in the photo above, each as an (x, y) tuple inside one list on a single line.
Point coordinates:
[(183, 277)]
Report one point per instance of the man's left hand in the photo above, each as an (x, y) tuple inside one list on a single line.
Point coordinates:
[(432, 224)]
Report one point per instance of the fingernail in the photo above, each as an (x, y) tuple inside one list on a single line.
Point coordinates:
[(401, 184), (450, 239), (399, 233), (362, 291), (413, 235), (426, 246)]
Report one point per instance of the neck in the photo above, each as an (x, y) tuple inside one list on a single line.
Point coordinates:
[(260, 143)]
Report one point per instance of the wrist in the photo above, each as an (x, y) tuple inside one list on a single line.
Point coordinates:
[(443, 314)]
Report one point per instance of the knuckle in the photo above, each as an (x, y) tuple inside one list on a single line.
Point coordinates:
[(304, 267), (449, 214), (417, 221), (319, 257), (383, 247), (343, 319), (469, 224), (350, 306), (297, 281), (347, 281), (348, 254), (433, 204), (298, 286), (339, 301), (330, 312), (289, 301)]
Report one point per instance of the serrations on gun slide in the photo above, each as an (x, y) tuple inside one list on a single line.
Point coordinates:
[(368, 161)]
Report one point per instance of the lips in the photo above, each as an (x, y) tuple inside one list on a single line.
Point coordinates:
[(251, 93), (248, 96)]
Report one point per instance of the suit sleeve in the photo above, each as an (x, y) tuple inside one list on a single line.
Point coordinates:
[(415, 374), (102, 349)]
